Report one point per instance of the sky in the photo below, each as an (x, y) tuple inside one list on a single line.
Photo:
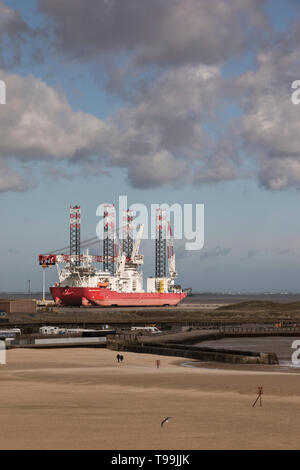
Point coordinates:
[(165, 101)]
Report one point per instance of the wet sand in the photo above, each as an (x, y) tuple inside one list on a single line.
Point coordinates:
[(84, 399)]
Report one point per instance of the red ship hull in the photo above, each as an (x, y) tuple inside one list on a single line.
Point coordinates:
[(96, 296)]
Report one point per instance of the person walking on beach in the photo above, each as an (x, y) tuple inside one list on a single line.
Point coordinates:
[(118, 357), (121, 358)]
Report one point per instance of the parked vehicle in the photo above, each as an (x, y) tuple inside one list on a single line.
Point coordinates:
[(52, 330), (150, 329)]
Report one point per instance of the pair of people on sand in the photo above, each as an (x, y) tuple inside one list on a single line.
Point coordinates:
[(120, 357)]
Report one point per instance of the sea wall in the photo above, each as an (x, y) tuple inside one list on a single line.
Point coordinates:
[(201, 354)]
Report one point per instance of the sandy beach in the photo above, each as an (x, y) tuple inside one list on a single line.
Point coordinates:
[(84, 399)]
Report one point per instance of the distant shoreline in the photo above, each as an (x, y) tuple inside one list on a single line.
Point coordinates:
[(196, 297)]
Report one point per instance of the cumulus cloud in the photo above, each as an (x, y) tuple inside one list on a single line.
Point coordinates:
[(270, 123), (10, 20), (172, 131), (159, 139), (164, 32), (37, 123), (164, 131), (13, 31), (223, 164), (10, 180)]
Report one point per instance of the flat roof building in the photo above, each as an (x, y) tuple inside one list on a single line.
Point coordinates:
[(18, 305)]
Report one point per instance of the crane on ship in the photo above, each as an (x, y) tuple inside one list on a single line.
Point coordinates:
[(120, 282), (171, 254), (117, 257)]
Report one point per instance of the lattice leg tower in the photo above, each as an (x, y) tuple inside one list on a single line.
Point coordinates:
[(160, 244), (127, 233), (75, 222), (109, 246)]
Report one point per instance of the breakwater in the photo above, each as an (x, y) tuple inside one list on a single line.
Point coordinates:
[(181, 345), (206, 354)]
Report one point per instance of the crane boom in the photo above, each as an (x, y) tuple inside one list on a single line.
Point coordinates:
[(171, 254), (137, 243)]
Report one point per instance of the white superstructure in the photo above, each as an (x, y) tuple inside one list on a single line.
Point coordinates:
[(128, 277)]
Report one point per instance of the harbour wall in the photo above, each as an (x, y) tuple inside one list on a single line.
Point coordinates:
[(233, 357), (169, 346)]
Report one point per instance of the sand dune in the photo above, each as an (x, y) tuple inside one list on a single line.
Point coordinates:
[(84, 399)]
